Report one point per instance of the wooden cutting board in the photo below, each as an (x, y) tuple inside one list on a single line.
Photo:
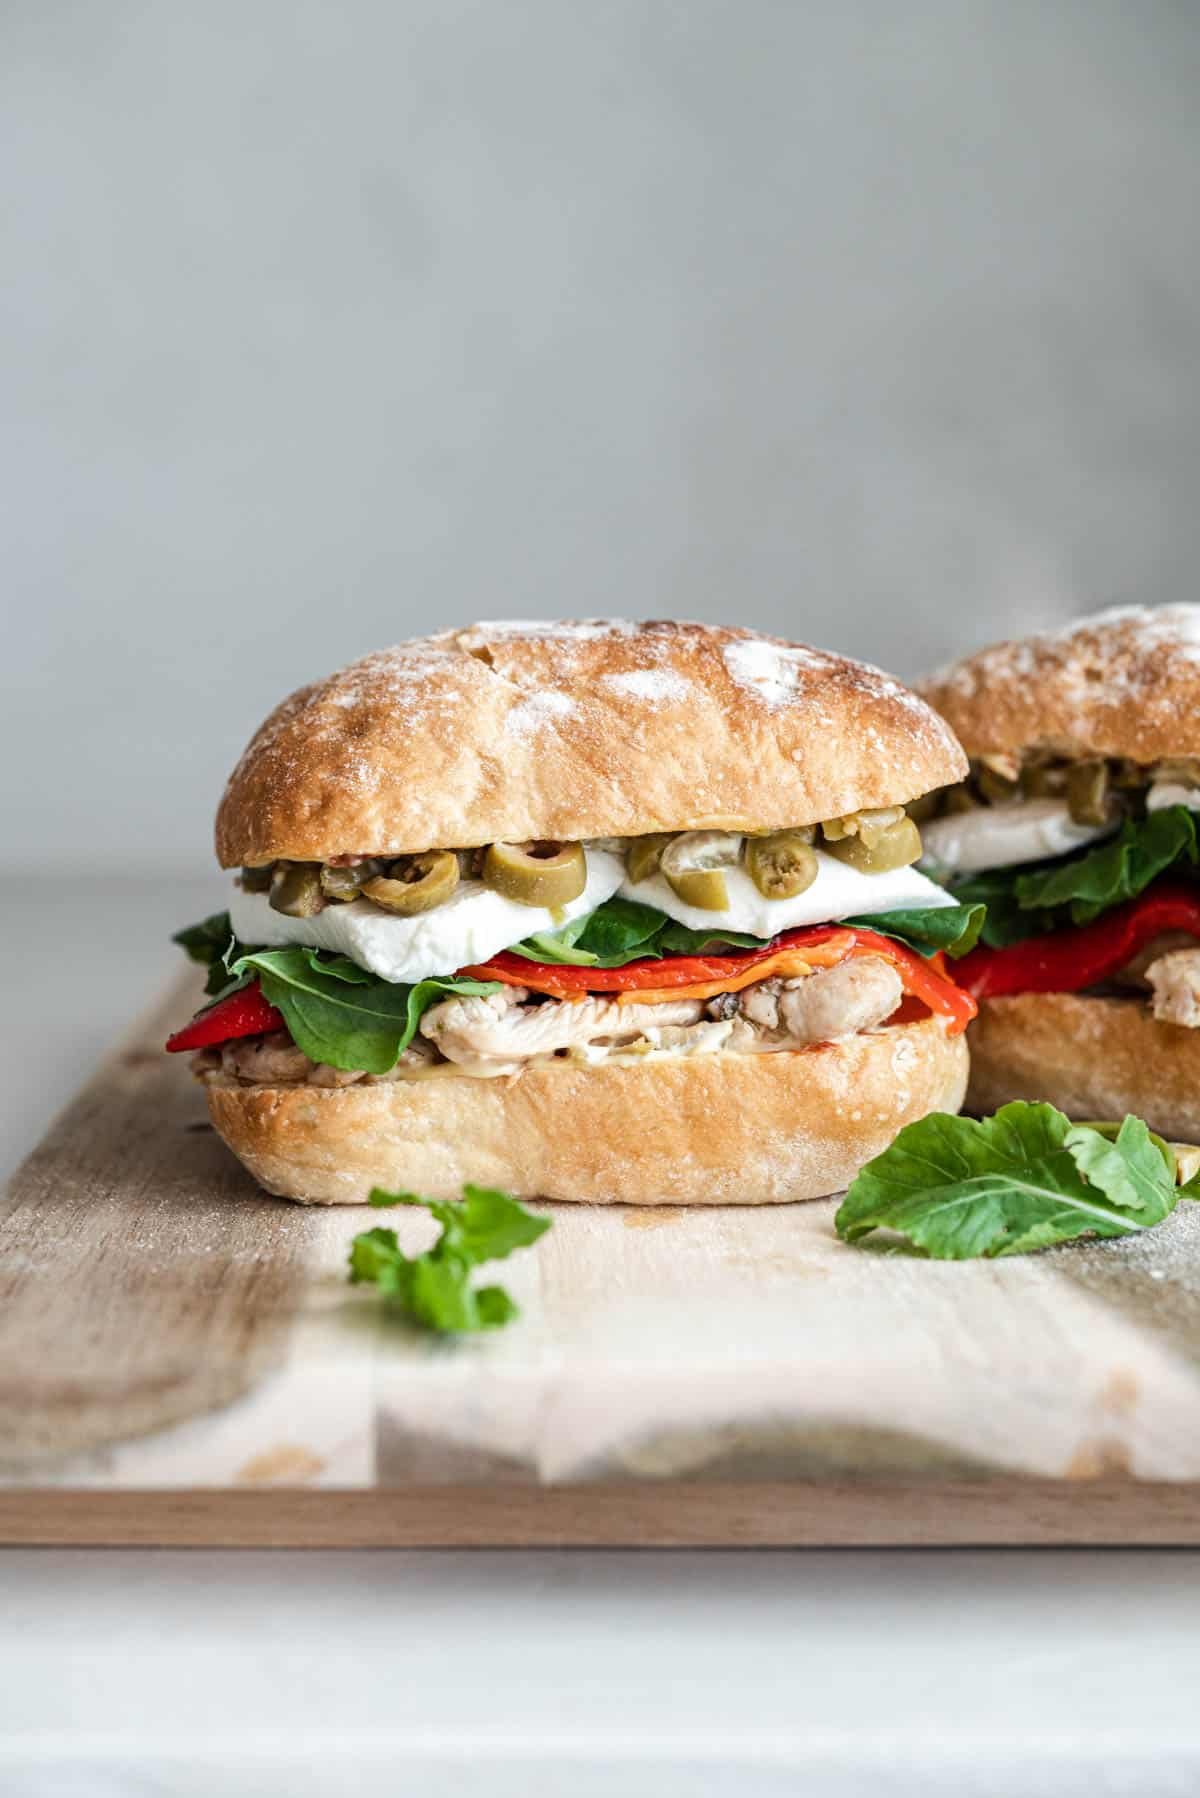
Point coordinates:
[(182, 1360)]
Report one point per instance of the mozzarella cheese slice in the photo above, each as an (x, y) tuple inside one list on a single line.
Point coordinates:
[(1171, 792), (1004, 836), (469, 927), (838, 891)]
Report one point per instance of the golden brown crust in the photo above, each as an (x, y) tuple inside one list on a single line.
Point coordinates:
[(1125, 682), (1093, 1058), (701, 1130), (507, 732)]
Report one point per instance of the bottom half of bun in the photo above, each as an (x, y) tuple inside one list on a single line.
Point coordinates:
[(1093, 1058), (686, 1130)]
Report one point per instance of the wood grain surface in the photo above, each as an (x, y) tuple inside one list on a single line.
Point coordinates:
[(182, 1360)]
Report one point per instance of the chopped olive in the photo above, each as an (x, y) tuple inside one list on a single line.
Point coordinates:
[(1087, 792), (543, 874), (1181, 769), (926, 807), (782, 864), (864, 823), (256, 880), (995, 788), (692, 865), (643, 855), (296, 889), (1043, 780), (892, 846), (958, 799), (415, 883), (344, 884), (704, 888)]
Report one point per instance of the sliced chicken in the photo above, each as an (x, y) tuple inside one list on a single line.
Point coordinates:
[(272, 1060), (1175, 988), (856, 995), (469, 1030)]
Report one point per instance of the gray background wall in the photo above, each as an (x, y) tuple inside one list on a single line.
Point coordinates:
[(324, 324)]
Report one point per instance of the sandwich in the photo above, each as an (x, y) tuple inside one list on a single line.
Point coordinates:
[(593, 911), (1077, 828)]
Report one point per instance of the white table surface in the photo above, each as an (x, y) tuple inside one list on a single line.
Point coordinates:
[(177, 1675)]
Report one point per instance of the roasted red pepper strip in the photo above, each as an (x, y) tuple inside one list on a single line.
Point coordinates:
[(563, 980), (923, 980), (1082, 955), (244, 1013)]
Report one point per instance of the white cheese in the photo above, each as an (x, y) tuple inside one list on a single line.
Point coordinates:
[(838, 891), (1172, 792), (469, 927), (1003, 836)]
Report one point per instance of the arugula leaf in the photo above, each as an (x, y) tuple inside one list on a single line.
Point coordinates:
[(624, 930), (210, 943), (1116, 870), (206, 942), (338, 1013), (1075, 889), (680, 939), (1022, 1180), (954, 928), (434, 1288)]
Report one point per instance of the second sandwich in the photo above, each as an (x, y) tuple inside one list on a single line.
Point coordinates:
[(1078, 829)]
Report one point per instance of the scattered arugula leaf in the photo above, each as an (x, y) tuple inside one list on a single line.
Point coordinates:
[(434, 1288), (1022, 1180), (1075, 889), (340, 1014)]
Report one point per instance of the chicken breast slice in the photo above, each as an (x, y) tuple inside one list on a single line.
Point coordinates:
[(1175, 988), (856, 995), (467, 1030)]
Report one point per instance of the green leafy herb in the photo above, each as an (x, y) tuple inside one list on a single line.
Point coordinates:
[(1114, 871), (1022, 1180), (340, 1014), (434, 1289), (623, 930), (1074, 889), (954, 928), (211, 943)]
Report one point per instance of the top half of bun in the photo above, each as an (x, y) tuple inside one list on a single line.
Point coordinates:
[(506, 732), (1124, 682)]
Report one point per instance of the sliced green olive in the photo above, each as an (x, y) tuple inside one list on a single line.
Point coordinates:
[(1183, 769), (296, 889), (894, 846), (926, 807), (782, 864), (256, 880), (995, 788), (1087, 792), (644, 854), (344, 884), (958, 799), (692, 865), (545, 874), (704, 888), (415, 883), (1043, 780)]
